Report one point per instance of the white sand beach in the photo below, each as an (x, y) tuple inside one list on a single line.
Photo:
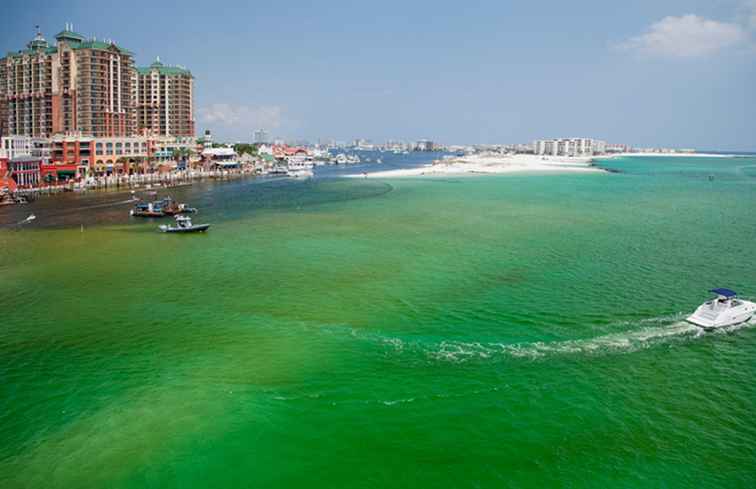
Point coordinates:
[(490, 165)]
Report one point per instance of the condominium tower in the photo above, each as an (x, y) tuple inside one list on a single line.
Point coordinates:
[(164, 100), (76, 86), (569, 147), (87, 87)]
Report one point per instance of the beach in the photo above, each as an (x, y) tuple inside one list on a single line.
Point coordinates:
[(490, 164)]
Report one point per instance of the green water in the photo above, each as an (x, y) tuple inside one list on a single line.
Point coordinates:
[(513, 331)]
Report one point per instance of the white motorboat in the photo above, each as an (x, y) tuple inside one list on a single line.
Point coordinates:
[(725, 310), (184, 225), (300, 173)]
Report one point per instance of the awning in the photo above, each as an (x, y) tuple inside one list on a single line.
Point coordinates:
[(724, 292)]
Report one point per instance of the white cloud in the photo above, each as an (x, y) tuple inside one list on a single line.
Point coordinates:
[(242, 116), (688, 36)]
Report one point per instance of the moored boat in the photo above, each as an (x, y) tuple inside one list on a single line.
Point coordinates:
[(148, 209), (725, 310), (171, 207)]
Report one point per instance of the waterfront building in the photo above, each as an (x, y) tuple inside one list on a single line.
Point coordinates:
[(223, 157), (7, 184), (424, 145), (165, 100), (618, 148), (569, 147), (13, 146), (77, 85), (25, 171)]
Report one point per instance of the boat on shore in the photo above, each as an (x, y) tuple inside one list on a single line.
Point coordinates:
[(184, 225), (724, 310)]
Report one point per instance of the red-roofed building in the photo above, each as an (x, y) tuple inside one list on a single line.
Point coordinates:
[(7, 184)]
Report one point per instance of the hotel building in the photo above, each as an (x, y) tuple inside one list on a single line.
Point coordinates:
[(77, 85), (164, 100), (80, 104)]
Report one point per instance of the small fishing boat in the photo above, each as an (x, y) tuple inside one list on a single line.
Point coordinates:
[(725, 310), (147, 209), (184, 225), (171, 207)]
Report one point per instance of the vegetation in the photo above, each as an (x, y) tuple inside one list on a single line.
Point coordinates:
[(243, 148), (181, 154)]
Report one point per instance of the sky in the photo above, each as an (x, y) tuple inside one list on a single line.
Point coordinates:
[(669, 73)]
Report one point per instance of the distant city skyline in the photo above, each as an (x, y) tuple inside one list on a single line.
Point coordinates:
[(671, 73)]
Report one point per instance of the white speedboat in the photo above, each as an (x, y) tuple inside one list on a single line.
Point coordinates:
[(184, 225), (725, 310), (300, 173)]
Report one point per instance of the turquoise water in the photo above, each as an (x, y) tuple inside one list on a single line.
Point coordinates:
[(504, 331)]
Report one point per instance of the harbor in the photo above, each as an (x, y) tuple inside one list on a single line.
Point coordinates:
[(418, 245)]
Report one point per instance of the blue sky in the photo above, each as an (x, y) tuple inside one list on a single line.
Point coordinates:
[(652, 73)]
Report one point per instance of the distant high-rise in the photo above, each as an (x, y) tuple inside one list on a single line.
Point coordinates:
[(569, 147), (164, 100), (424, 145), (261, 136)]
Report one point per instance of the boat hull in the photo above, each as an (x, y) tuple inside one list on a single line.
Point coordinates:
[(729, 317), (199, 228)]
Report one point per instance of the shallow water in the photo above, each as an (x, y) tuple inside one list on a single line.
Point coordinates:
[(502, 331)]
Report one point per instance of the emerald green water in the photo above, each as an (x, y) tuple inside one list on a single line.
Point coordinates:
[(512, 331)]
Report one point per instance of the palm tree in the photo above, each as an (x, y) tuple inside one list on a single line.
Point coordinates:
[(181, 154)]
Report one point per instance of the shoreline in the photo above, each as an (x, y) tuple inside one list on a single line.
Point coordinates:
[(138, 183), (667, 155), (476, 165)]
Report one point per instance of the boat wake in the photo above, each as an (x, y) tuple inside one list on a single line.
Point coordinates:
[(623, 342), (663, 331)]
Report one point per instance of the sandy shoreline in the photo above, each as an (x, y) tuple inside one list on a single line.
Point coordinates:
[(497, 164), (665, 155), (490, 165)]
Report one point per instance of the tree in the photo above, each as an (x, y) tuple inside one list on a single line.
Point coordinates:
[(243, 148)]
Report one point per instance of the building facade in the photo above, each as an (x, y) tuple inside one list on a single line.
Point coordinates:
[(76, 85), (25, 171), (165, 100), (13, 146)]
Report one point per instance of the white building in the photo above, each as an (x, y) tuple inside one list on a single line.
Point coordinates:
[(569, 147), (15, 146), (222, 157)]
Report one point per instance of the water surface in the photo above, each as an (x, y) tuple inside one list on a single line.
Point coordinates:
[(498, 331)]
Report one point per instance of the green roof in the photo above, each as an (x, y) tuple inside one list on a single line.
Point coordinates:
[(91, 44), (163, 69), (69, 35), (48, 50)]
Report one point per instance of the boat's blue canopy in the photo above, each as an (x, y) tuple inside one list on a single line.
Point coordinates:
[(725, 292)]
